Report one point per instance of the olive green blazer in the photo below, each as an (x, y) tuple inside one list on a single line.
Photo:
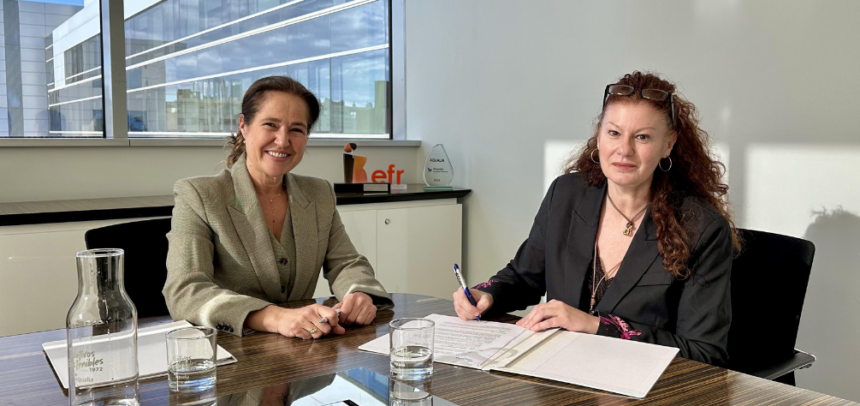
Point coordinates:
[(220, 263)]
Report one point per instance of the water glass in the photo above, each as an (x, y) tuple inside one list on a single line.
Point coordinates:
[(409, 394), (411, 348), (191, 353)]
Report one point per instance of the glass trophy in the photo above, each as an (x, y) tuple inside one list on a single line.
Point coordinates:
[(438, 172)]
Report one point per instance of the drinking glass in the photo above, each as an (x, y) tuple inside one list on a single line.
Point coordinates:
[(411, 348), (191, 353), (409, 394)]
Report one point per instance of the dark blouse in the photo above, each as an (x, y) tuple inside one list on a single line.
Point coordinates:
[(610, 325), (588, 287)]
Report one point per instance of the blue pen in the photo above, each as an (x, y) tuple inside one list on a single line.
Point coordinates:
[(465, 289)]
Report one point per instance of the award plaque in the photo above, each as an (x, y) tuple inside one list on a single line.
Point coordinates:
[(438, 172)]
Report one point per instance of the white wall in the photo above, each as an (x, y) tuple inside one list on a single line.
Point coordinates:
[(509, 86), (36, 174)]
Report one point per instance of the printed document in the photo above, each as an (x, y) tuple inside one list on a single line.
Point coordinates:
[(151, 352), (611, 364), (476, 344)]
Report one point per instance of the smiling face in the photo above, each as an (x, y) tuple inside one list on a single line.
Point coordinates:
[(632, 139), (276, 137)]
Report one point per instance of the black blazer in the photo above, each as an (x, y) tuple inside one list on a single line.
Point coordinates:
[(693, 314)]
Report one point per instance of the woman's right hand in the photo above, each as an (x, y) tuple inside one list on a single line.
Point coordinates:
[(302, 321), (299, 322), (464, 308)]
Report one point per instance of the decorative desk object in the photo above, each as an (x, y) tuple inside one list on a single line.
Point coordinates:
[(101, 334), (438, 172), (353, 165), (354, 175)]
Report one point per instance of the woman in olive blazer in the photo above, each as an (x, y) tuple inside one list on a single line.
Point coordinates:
[(256, 234)]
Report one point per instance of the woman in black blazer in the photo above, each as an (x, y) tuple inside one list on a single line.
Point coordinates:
[(646, 200)]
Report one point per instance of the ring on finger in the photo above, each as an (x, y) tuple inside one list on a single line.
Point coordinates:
[(313, 330)]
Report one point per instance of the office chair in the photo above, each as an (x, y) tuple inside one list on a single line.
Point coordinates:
[(769, 281), (145, 245)]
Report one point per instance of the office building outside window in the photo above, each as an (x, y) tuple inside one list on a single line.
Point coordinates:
[(189, 62), (27, 68)]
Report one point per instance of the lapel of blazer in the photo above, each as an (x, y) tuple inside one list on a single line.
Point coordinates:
[(304, 217), (247, 216), (641, 254), (582, 234)]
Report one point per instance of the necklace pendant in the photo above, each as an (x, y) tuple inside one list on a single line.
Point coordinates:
[(629, 229)]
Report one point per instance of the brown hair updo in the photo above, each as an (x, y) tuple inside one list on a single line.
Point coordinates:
[(693, 172), (251, 104)]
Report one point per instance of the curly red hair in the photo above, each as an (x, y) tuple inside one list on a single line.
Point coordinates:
[(694, 173)]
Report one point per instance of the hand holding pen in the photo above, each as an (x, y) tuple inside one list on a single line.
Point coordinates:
[(470, 303)]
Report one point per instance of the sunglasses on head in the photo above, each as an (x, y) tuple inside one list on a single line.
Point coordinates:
[(650, 94)]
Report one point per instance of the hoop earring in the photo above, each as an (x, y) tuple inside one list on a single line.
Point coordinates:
[(592, 155), (660, 164)]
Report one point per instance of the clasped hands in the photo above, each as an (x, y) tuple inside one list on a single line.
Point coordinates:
[(315, 321), (554, 313)]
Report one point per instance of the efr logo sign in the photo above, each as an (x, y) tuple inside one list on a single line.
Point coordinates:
[(379, 176)]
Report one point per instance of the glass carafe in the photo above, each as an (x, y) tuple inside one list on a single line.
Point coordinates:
[(101, 334)]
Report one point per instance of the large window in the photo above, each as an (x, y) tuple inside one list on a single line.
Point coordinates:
[(189, 62), (31, 94)]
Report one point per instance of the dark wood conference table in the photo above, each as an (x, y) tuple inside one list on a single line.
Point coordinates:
[(26, 378)]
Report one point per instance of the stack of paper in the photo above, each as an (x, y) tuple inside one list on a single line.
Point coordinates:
[(479, 345), (151, 352), (622, 366)]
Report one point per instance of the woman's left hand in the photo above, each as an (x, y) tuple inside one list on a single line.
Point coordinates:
[(356, 308), (556, 313)]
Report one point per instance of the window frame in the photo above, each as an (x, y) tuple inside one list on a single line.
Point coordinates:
[(115, 100)]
